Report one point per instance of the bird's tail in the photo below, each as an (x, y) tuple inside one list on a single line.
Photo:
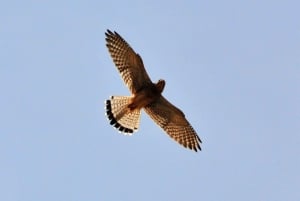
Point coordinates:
[(120, 116)]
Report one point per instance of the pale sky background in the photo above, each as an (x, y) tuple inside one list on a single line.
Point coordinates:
[(233, 67)]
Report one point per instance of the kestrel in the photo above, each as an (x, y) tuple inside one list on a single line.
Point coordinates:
[(124, 112)]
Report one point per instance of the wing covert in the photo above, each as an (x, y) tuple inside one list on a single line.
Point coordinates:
[(129, 64), (172, 120)]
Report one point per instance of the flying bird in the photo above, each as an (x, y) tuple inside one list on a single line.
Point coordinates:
[(124, 112)]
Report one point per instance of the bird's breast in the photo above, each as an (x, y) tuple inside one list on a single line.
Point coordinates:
[(144, 97)]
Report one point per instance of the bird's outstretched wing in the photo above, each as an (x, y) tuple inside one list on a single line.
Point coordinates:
[(129, 63), (173, 121)]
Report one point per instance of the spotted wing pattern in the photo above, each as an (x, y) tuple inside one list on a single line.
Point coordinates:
[(166, 115), (173, 121), (129, 63)]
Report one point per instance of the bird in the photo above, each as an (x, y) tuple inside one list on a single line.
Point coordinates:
[(123, 112)]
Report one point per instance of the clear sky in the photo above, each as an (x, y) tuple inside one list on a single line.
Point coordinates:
[(233, 67)]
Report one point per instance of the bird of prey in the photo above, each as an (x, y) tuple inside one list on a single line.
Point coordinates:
[(124, 112)]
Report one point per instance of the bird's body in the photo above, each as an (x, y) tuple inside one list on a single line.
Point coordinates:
[(124, 112), (146, 95)]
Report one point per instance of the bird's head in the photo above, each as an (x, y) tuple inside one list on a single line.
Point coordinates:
[(160, 85)]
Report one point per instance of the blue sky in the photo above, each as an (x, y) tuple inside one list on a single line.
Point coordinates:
[(233, 67)]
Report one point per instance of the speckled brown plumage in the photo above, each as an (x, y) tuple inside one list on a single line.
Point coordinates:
[(124, 112)]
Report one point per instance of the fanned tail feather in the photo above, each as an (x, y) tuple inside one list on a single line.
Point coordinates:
[(120, 116)]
